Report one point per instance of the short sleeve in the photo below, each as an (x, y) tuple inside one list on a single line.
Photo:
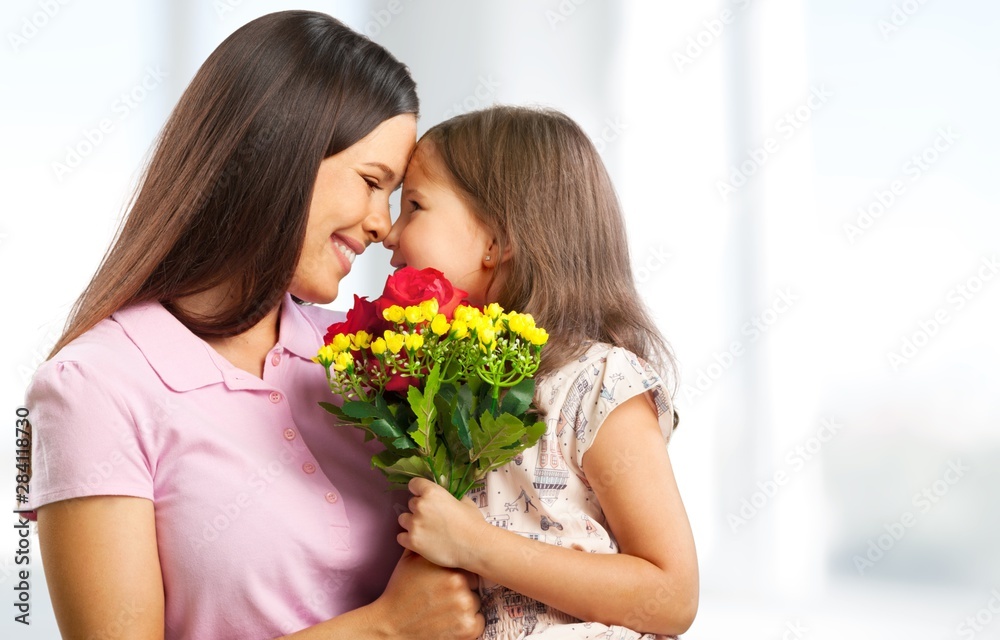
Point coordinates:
[(84, 438), (601, 386)]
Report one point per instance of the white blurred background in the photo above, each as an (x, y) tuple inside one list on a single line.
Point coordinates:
[(812, 202)]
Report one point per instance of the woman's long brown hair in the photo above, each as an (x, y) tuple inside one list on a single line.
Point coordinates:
[(534, 178), (225, 197)]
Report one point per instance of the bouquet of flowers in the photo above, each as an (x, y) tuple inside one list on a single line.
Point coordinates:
[(446, 388)]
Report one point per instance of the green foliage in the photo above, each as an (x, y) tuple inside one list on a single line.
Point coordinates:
[(452, 433)]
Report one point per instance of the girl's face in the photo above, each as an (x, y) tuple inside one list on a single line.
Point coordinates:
[(436, 228), (350, 206)]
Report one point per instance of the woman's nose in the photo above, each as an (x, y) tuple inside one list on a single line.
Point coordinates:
[(378, 224)]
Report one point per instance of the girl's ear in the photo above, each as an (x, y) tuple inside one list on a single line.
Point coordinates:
[(494, 256)]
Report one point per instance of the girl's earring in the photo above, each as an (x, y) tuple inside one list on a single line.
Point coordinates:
[(487, 258)]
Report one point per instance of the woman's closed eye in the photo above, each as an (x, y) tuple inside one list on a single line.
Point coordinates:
[(373, 185)]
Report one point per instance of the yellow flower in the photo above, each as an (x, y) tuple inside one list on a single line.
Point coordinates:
[(466, 313), (480, 324), (341, 342), (536, 336), (429, 308), (413, 314), (343, 361), (394, 313), (494, 310), (394, 341), (361, 340), (325, 355), (517, 322), (459, 328), (414, 341), (487, 337), (439, 325), (378, 346)]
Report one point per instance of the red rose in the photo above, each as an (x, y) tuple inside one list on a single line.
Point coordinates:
[(363, 316), (400, 383), (409, 286)]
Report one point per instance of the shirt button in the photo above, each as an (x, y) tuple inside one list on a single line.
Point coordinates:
[(289, 434), (309, 467), (275, 397), (275, 359), (331, 497)]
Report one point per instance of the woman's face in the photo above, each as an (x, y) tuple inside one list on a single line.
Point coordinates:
[(437, 228), (350, 206)]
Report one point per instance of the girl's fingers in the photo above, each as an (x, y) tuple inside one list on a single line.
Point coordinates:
[(418, 486)]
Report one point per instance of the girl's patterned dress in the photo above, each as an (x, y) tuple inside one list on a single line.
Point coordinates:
[(544, 494)]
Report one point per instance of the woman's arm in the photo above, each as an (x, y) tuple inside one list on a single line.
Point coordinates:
[(422, 601), (651, 586), (102, 567), (103, 572)]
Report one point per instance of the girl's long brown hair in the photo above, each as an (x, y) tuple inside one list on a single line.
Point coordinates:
[(226, 194), (534, 178)]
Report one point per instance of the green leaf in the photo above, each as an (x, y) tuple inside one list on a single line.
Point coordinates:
[(532, 434), (490, 440), (358, 410), (411, 467), (518, 398), (460, 415), (404, 442), (334, 409), (423, 407), (385, 429)]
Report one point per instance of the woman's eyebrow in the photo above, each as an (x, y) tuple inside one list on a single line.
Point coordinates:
[(390, 175)]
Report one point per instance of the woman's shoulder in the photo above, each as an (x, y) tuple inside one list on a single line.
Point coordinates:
[(102, 346)]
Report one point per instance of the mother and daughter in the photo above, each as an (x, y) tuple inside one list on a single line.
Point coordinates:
[(186, 482)]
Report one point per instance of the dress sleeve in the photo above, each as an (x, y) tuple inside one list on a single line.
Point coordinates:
[(85, 441), (603, 385)]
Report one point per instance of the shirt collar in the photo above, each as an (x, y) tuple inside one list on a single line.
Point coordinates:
[(185, 362)]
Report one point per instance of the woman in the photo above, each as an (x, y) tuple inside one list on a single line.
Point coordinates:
[(186, 483)]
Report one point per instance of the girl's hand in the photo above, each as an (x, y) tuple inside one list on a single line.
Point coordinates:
[(446, 531)]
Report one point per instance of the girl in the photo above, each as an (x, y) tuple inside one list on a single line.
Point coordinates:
[(186, 482), (515, 207)]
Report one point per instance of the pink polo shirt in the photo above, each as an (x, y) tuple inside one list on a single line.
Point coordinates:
[(269, 518)]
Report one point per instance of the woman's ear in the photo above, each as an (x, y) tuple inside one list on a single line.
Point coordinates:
[(495, 254)]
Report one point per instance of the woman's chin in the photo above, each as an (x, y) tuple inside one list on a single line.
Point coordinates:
[(316, 295)]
